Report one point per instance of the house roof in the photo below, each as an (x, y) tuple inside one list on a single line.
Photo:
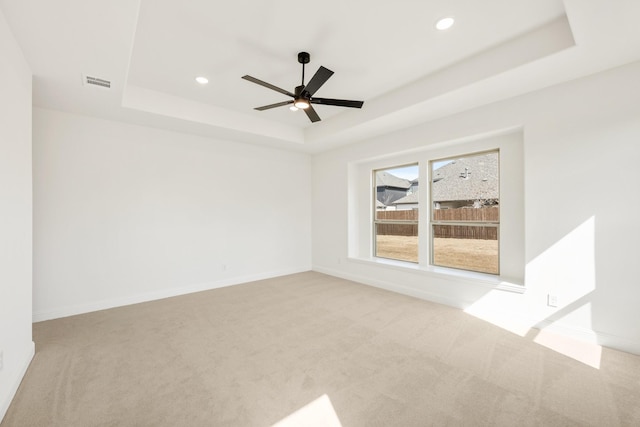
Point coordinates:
[(408, 199), (467, 178), (385, 179)]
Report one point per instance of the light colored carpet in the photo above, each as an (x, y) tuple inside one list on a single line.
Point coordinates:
[(255, 354)]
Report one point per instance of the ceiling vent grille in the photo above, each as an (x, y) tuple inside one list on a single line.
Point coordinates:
[(95, 81)]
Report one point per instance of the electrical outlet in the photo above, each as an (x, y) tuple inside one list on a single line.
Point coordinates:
[(552, 300)]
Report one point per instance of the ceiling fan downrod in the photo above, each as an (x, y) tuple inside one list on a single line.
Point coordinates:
[(303, 58)]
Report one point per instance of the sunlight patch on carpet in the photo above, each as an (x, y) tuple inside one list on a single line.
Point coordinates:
[(585, 352), (319, 413)]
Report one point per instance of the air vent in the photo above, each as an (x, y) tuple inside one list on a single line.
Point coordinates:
[(95, 81)]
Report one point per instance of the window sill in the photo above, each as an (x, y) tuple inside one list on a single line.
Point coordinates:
[(482, 279)]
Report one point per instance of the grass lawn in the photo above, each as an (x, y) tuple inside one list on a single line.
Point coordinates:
[(467, 254)]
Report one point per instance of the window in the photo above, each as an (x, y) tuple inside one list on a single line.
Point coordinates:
[(395, 225), (465, 214), (464, 217), (486, 246)]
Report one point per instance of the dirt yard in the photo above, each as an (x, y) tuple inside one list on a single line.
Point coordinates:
[(467, 254)]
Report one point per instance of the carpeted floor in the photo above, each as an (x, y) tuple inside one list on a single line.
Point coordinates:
[(253, 354)]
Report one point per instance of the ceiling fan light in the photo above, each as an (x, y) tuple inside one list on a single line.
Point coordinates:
[(301, 103), (293, 108)]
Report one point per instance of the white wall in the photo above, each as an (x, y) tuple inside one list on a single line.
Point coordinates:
[(581, 168), (127, 213), (16, 347)]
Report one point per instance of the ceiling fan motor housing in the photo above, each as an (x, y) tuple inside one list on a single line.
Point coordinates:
[(301, 93)]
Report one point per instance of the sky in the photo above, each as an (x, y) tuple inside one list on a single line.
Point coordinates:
[(411, 172)]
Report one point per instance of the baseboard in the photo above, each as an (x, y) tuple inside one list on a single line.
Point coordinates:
[(156, 295), (586, 335), (395, 287), (6, 399), (594, 337)]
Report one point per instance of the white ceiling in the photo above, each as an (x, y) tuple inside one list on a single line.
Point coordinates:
[(387, 54)]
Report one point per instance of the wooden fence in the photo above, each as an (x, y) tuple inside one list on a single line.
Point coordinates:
[(467, 214), (446, 231), (465, 232), (397, 229)]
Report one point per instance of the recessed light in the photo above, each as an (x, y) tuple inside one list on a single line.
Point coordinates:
[(202, 80), (444, 23)]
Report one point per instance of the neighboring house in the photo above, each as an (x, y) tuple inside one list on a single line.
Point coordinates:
[(390, 188), (467, 182), (414, 185), (380, 206), (408, 202)]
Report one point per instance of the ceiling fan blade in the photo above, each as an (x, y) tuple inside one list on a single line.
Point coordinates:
[(268, 85), (337, 102), (318, 79), (311, 113), (270, 106)]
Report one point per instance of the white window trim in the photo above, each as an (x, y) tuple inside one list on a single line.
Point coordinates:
[(376, 221), (430, 213), (489, 281), (512, 260)]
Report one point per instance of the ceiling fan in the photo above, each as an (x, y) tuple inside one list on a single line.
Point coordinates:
[(303, 95)]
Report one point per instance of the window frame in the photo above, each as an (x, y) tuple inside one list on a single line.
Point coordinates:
[(513, 257), (375, 222), (432, 222)]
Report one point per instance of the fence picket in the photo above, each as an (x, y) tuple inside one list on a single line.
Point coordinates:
[(447, 231)]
